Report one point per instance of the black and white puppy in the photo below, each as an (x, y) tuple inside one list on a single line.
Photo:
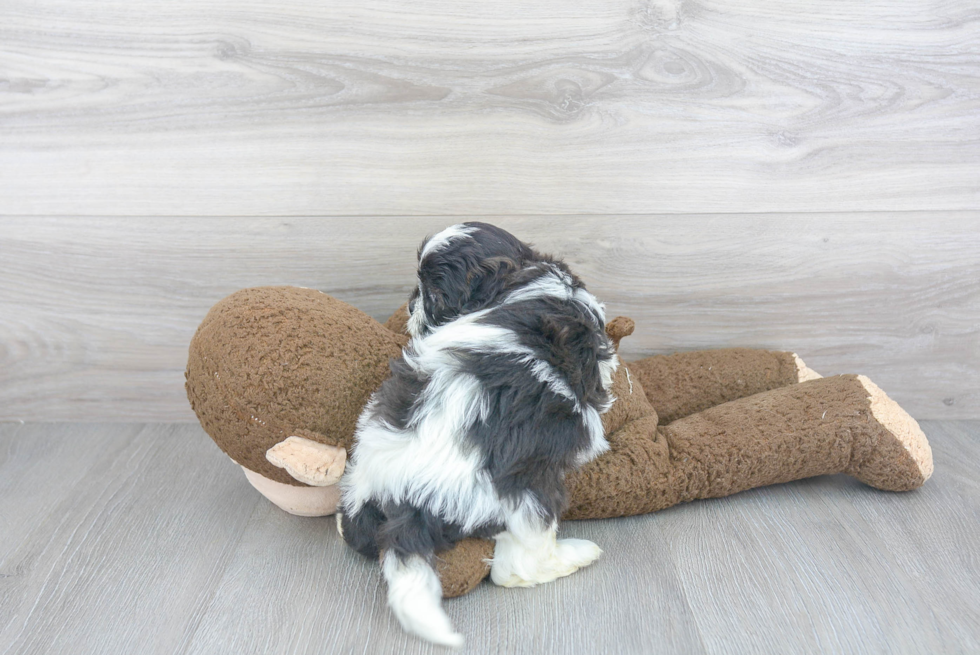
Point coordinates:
[(495, 399)]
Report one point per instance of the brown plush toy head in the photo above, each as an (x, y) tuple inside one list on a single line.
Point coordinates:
[(272, 362)]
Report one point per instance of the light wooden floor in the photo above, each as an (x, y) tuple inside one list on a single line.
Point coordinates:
[(144, 538)]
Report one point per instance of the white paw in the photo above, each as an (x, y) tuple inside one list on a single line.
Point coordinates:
[(515, 566), (578, 552)]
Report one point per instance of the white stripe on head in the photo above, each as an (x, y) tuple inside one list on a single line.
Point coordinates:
[(442, 239)]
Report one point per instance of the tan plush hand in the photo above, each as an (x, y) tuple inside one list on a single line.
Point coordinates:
[(312, 463)]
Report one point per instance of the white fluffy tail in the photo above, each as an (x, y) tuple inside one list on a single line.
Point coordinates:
[(415, 596)]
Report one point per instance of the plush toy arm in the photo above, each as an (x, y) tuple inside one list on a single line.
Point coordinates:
[(843, 424), (685, 383), (398, 322)]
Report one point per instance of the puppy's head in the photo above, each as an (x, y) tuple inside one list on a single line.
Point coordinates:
[(463, 269)]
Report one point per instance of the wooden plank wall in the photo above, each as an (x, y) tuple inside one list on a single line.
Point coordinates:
[(761, 175)]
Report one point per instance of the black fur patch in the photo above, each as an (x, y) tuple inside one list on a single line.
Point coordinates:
[(361, 529), (405, 530), (410, 530), (568, 336), (531, 436), (472, 273), (398, 395)]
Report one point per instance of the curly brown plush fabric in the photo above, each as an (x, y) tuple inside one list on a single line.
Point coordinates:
[(272, 362), (711, 377), (464, 567), (798, 431)]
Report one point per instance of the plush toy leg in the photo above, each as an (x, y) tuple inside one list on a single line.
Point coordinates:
[(843, 424), (900, 461), (464, 566), (685, 383), (301, 501)]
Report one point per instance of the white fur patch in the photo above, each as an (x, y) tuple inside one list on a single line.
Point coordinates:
[(607, 369), (427, 464), (415, 597), (549, 285), (416, 319), (597, 437), (442, 239), (528, 553), (590, 301)]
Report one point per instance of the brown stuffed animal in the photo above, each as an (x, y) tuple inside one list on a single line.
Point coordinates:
[(279, 375)]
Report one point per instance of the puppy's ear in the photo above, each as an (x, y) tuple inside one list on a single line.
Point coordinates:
[(460, 285), (418, 254)]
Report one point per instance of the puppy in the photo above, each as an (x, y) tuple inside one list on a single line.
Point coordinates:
[(498, 396)]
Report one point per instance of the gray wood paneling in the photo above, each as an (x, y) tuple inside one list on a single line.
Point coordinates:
[(155, 543), (459, 107), (96, 313)]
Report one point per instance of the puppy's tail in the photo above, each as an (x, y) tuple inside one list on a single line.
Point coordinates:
[(406, 540), (415, 595)]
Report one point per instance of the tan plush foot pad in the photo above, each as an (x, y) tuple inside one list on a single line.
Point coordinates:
[(804, 372), (902, 460)]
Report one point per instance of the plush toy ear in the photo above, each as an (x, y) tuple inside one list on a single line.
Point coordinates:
[(618, 328)]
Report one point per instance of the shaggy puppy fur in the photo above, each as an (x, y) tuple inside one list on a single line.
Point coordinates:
[(495, 399)]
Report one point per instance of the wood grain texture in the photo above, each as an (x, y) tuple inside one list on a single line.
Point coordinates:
[(96, 313), (156, 544), (459, 107)]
